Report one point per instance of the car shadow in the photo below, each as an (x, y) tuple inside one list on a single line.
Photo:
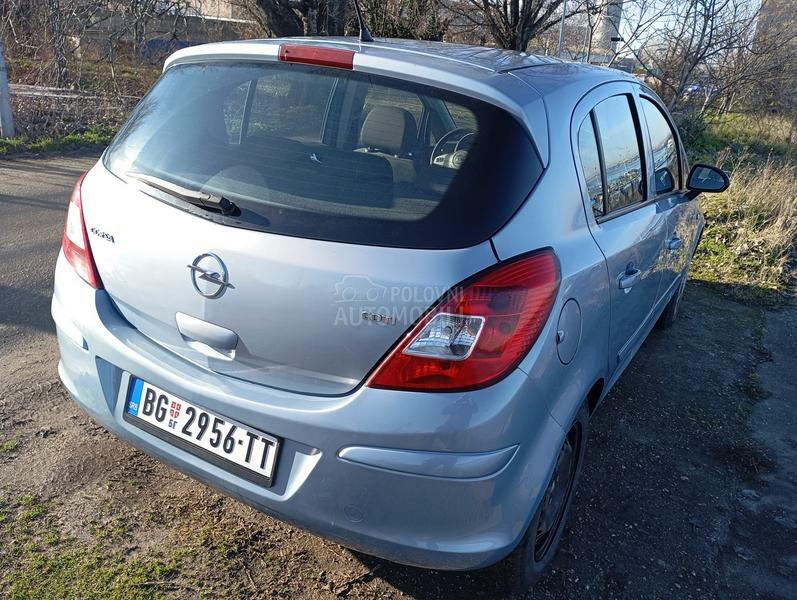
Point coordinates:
[(25, 308), (491, 582)]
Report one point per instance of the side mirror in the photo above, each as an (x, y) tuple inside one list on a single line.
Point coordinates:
[(705, 178)]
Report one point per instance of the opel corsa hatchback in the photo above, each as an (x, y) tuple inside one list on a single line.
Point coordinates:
[(376, 290)]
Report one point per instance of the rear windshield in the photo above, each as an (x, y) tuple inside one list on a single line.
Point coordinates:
[(332, 154)]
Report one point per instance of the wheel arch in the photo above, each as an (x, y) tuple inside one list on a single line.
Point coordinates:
[(595, 395)]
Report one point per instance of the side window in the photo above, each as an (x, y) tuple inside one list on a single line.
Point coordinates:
[(285, 104), (383, 96), (591, 164), (233, 109), (462, 116), (621, 153), (380, 95), (665, 148)]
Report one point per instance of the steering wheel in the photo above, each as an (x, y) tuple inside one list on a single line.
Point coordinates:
[(457, 156)]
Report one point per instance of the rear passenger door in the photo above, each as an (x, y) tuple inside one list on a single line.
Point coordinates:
[(629, 230), (665, 155)]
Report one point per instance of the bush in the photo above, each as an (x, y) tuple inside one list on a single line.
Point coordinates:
[(691, 125)]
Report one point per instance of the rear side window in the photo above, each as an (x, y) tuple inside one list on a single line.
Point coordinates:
[(665, 148), (621, 152), (332, 154), (591, 165)]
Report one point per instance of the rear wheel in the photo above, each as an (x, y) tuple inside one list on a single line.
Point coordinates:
[(538, 547)]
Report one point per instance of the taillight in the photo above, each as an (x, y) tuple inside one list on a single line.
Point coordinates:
[(317, 55), (75, 243), (479, 331)]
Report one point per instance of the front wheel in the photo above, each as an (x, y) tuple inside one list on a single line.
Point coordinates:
[(538, 547)]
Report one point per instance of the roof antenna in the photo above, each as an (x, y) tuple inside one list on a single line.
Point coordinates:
[(365, 35)]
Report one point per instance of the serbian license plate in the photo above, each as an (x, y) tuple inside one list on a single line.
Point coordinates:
[(247, 453)]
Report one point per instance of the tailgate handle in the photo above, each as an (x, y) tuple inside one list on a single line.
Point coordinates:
[(197, 330)]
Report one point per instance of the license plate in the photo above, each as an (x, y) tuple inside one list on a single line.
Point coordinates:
[(243, 451)]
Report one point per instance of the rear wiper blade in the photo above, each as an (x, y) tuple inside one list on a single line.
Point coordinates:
[(195, 197)]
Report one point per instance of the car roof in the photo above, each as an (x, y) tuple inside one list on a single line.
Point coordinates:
[(478, 62)]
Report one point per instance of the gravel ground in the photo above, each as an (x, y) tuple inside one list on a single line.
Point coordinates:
[(688, 489)]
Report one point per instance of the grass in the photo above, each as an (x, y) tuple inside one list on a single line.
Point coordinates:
[(38, 560), (97, 137), (756, 136), (203, 555), (31, 507), (61, 570), (751, 229), (9, 446)]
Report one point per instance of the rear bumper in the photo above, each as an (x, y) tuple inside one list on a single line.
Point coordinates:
[(445, 481)]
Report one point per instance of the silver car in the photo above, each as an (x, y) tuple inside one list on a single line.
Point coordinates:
[(377, 289)]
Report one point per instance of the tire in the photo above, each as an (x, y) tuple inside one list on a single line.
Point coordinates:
[(670, 312), (529, 561)]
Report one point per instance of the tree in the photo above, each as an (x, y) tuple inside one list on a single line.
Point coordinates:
[(707, 45), (510, 23), (415, 19), (286, 18), (644, 21), (385, 18)]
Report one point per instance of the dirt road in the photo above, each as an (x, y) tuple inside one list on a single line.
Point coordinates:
[(688, 491)]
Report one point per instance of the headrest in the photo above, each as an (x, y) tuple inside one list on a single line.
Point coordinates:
[(389, 129)]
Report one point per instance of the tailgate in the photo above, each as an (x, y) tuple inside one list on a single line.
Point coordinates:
[(292, 314)]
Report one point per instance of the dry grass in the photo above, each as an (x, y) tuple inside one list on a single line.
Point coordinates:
[(762, 134), (751, 229)]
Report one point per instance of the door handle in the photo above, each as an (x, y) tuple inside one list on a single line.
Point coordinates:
[(674, 243), (629, 278)]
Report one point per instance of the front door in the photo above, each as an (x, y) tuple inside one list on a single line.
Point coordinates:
[(668, 187)]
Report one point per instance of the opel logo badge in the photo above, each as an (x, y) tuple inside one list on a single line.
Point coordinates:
[(209, 275)]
